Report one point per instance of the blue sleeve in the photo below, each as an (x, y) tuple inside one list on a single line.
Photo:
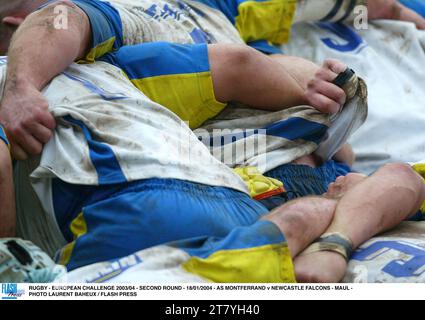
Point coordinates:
[(160, 58), (106, 25), (265, 47)]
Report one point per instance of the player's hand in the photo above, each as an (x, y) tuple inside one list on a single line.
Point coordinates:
[(25, 116), (322, 93)]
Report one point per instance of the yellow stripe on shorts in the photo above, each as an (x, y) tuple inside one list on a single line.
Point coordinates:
[(99, 51), (78, 229), (264, 264)]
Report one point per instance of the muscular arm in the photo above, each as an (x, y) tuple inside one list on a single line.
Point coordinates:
[(38, 52), (41, 49), (273, 83), (7, 195)]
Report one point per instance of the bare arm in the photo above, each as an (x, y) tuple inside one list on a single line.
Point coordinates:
[(245, 75), (41, 49), (7, 194), (39, 52)]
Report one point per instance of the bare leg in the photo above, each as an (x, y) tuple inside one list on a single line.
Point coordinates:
[(372, 206), (7, 195), (303, 220)]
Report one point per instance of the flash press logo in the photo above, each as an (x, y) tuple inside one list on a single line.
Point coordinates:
[(10, 291)]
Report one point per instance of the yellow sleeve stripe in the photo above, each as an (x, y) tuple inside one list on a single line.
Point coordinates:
[(269, 20), (99, 51)]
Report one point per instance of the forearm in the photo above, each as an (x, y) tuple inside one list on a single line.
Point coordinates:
[(7, 195), (254, 79), (272, 85), (40, 50)]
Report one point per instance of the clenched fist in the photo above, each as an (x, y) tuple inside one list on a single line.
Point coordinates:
[(24, 113), (322, 93)]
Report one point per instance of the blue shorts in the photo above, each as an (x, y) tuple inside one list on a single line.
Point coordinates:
[(258, 253), (107, 222), (302, 180)]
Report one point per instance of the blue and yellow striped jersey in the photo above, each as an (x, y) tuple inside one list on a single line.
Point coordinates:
[(176, 76), (263, 24), (258, 20), (106, 24)]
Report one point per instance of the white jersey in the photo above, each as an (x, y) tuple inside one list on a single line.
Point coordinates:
[(191, 21), (390, 56), (108, 132), (397, 256)]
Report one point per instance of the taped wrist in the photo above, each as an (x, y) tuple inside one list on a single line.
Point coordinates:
[(334, 242)]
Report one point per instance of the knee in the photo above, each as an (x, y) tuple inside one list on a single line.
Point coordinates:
[(405, 173)]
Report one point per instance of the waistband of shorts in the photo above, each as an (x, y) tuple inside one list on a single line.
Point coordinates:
[(194, 188), (329, 170)]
